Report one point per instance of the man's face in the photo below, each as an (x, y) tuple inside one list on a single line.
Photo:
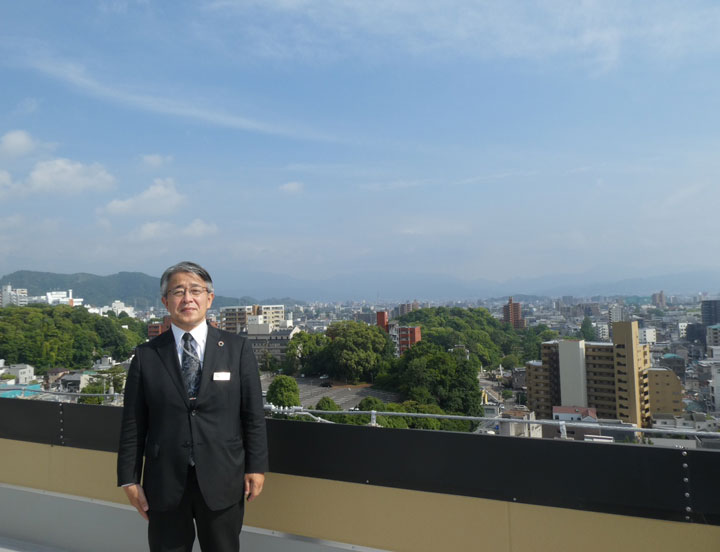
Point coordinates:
[(187, 300)]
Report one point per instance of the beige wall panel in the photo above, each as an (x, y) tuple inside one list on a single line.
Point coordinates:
[(543, 529), (79, 472), (379, 517), (25, 464), (88, 473)]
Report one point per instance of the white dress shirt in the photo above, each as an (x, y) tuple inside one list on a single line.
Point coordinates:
[(199, 334)]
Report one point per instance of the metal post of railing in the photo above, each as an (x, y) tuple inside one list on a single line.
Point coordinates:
[(373, 418), (563, 430)]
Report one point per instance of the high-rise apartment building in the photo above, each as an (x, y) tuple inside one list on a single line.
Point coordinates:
[(665, 392), (383, 320), (710, 311), (512, 314), (601, 374), (610, 377), (235, 319), (713, 336), (407, 337), (273, 314), (404, 308), (632, 362), (658, 299), (616, 313), (543, 381)]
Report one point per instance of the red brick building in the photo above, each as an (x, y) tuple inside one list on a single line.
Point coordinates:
[(512, 314), (407, 337), (403, 337), (156, 328)]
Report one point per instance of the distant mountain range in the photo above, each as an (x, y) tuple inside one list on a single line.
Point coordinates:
[(394, 286), (132, 288), (140, 290)]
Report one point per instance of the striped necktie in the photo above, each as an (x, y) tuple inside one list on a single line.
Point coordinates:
[(191, 366)]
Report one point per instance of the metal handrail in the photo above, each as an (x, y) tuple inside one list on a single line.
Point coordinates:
[(299, 410), (62, 393), (314, 414)]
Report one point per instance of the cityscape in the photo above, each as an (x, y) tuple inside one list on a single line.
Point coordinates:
[(646, 362)]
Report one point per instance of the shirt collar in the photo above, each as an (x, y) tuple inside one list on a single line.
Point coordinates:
[(199, 334)]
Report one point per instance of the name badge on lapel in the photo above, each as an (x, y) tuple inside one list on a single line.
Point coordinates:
[(221, 376)]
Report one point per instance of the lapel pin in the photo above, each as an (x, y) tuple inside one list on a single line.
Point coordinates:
[(221, 343)]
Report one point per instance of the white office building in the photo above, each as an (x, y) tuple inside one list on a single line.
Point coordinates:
[(13, 297), (647, 336)]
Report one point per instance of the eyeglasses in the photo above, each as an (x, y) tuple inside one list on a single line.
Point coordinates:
[(180, 292)]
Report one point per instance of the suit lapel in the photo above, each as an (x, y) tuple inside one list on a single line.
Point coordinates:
[(213, 352), (167, 350)]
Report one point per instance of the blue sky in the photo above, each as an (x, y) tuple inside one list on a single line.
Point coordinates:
[(319, 138)]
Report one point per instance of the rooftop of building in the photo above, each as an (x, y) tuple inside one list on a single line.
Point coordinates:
[(582, 410)]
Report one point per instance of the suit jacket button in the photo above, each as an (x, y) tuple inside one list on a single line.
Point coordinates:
[(193, 413)]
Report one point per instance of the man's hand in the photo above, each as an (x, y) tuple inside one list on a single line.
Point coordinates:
[(136, 497), (253, 485)]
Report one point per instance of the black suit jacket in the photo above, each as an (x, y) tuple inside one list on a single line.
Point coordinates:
[(224, 428)]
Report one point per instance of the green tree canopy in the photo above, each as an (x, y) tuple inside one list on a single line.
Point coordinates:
[(49, 336), (426, 374), (587, 330), (93, 388), (283, 391), (487, 339), (305, 354), (326, 403), (357, 351)]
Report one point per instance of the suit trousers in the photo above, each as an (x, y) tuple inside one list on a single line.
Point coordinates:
[(174, 530)]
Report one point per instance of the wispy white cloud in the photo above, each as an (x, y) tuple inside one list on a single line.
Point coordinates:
[(27, 106), (599, 32), (75, 75), (162, 197), (429, 227), (496, 176), (162, 230), (6, 182), (66, 176), (11, 221), (292, 187), (156, 160), (16, 143), (198, 228), (386, 186), (57, 176)]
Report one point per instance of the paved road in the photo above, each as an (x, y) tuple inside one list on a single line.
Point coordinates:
[(490, 387), (346, 397)]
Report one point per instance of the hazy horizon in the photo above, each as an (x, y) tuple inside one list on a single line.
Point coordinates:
[(395, 287)]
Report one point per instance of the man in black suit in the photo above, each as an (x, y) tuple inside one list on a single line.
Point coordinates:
[(193, 410)]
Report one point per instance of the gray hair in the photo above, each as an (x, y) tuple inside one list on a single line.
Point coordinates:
[(185, 266)]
